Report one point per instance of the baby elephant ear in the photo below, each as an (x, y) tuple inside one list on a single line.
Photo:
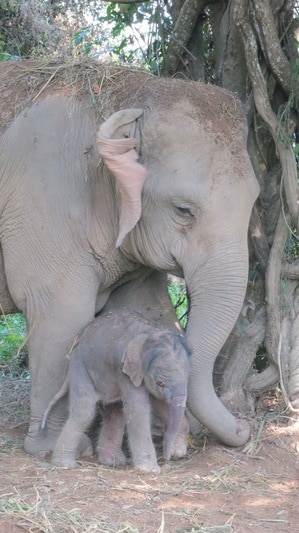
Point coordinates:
[(121, 157), (133, 358)]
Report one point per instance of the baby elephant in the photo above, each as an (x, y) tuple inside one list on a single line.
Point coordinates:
[(128, 365)]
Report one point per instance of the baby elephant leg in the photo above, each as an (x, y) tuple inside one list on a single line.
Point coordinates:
[(111, 436), (137, 413), (82, 413)]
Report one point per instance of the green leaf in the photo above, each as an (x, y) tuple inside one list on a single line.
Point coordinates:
[(79, 35)]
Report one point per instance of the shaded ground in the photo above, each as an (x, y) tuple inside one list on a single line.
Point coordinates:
[(216, 489)]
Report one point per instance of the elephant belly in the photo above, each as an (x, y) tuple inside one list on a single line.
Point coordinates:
[(108, 394)]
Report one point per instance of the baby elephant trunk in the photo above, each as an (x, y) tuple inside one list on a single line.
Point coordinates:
[(177, 407)]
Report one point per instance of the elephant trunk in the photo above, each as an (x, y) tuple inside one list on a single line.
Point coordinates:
[(177, 407), (216, 291)]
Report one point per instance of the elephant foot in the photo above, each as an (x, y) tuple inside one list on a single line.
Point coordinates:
[(149, 469), (61, 459), (85, 448), (66, 453), (179, 450), (107, 458), (37, 443)]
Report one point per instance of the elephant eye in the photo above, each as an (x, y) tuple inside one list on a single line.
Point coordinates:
[(160, 383), (184, 210)]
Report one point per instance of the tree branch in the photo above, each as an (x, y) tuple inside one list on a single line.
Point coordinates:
[(126, 1), (262, 382), (240, 361), (182, 32), (262, 102), (272, 284), (270, 44), (291, 271), (258, 239), (292, 362)]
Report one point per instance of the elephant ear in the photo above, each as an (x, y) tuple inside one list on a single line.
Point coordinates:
[(132, 359), (120, 156)]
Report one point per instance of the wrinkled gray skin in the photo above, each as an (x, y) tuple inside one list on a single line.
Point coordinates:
[(72, 230), (122, 357)]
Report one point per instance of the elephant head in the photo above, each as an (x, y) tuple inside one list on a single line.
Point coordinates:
[(184, 209), (160, 361)]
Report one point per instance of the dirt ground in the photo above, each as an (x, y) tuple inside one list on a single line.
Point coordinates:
[(215, 489)]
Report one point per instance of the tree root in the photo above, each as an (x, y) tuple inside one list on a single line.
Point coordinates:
[(240, 362)]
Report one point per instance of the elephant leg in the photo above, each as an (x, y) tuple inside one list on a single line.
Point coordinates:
[(82, 414), (50, 339), (111, 436), (137, 413), (179, 448), (7, 304)]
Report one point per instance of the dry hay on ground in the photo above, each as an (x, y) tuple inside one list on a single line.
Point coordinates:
[(215, 489)]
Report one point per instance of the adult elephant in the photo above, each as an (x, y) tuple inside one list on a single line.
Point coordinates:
[(72, 228)]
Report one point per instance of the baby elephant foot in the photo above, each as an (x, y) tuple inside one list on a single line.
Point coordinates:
[(107, 458), (179, 450), (85, 448), (61, 459), (149, 469)]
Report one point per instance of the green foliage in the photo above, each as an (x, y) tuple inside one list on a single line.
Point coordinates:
[(8, 11), (291, 248), (134, 34), (137, 34), (179, 298), (14, 38), (21, 32), (12, 337), (81, 38)]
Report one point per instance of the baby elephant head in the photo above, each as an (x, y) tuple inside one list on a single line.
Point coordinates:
[(161, 361)]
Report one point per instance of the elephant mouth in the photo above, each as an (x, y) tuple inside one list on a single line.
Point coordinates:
[(177, 269)]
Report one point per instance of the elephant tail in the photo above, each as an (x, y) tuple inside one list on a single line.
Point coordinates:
[(64, 389)]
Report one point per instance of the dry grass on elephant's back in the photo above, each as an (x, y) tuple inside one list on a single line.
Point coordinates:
[(106, 87), (24, 82)]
